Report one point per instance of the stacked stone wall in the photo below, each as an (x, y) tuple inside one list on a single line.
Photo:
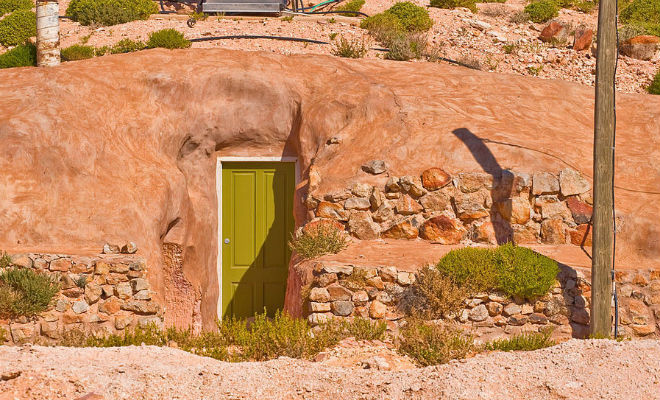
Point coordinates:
[(469, 207), (100, 295), (380, 292)]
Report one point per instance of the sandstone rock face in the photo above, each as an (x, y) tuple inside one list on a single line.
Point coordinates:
[(81, 167), (362, 226), (407, 206), (580, 211), (435, 178), (375, 167), (571, 182), (553, 231), (331, 210), (545, 183), (443, 229), (516, 210), (640, 47), (581, 236), (402, 230)]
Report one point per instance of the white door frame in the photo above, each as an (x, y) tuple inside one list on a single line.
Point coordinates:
[(218, 189)]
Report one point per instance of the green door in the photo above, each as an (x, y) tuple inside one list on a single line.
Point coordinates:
[(257, 221)]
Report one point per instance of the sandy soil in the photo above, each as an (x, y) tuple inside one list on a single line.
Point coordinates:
[(455, 35), (591, 369)]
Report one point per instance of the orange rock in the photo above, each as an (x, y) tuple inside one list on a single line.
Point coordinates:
[(402, 230), (60, 265), (554, 31), (583, 38), (581, 236), (326, 209), (553, 231), (443, 230), (406, 205), (435, 178), (640, 47)]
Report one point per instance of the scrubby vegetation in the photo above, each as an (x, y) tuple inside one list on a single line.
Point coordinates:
[(354, 48), (24, 55), (644, 14), (470, 4), (168, 39), (542, 10), (17, 27), (24, 292), (432, 344), (8, 6), (318, 240), (127, 46), (522, 272), (110, 12), (260, 339), (522, 342), (77, 52), (400, 28), (654, 87), (352, 5)]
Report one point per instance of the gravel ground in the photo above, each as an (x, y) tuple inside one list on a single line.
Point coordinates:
[(588, 369)]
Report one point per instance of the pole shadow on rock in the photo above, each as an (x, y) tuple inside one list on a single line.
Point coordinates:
[(503, 182)]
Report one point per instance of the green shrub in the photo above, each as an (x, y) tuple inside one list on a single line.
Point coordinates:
[(318, 240), (381, 24), (585, 6), (77, 52), (110, 12), (127, 46), (470, 4), (17, 27), (432, 344), (5, 259), (645, 13), (352, 5), (522, 272), (366, 329), (519, 17), (522, 342), (629, 31), (168, 39), (470, 267), (350, 48), (542, 10), (654, 87), (433, 294), (25, 292), (413, 18), (7, 6), (405, 46)]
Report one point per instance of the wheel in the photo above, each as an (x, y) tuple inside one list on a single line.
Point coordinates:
[(191, 22)]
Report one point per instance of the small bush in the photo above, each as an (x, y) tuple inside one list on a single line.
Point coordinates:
[(382, 24), (406, 46), (413, 18), (522, 272), (5, 259), (585, 6), (495, 11), (542, 10), (433, 295), (519, 17), (470, 267), (352, 5), (350, 48), (17, 27), (168, 39), (127, 46), (654, 87), (77, 52), (629, 31), (470, 4), (431, 344), (522, 342), (645, 13), (318, 240), (8, 6), (25, 292), (366, 329), (110, 12)]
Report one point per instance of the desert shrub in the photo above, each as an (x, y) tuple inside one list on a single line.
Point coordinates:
[(318, 240), (413, 18), (17, 27), (470, 267), (406, 46), (127, 46), (542, 10), (519, 17), (5, 259), (523, 342), (382, 24), (496, 10), (522, 272), (470, 62), (25, 292), (199, 16), (354, 48), (433, 295), (357, 280), (168, 39), (629, 31), (7, 6), (654, 87), (645, 13), (77, 52), (352, 5), (585, 6), (365, 329), (470, 4), (432, 344), (110, 12)]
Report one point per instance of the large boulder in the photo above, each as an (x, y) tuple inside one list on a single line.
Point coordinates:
[(443, 229), (640, 47)]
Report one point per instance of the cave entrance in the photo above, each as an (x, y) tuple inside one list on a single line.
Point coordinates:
[(255, 206)]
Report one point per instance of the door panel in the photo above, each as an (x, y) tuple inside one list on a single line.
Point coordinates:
[(257, 220)]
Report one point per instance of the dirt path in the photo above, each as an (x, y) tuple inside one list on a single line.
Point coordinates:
[(591, 369)]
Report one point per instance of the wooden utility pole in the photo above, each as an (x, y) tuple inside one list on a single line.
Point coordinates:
[(48, 33), (604, 121)]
